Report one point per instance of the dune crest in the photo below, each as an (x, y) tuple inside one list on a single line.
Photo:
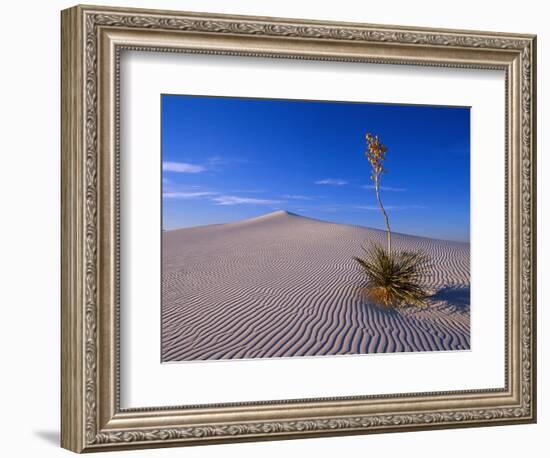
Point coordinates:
[(282, 285)]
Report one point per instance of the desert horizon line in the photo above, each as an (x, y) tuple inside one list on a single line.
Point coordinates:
[(282, 212)]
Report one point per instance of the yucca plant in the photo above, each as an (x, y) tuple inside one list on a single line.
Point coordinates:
[(393, 278)]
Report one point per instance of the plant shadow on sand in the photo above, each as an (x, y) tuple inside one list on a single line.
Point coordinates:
[(456, 296)]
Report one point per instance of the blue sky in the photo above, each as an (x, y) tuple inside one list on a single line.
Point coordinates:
[(228, 159)]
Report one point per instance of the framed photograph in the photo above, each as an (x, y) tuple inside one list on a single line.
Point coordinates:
[(277, 228)]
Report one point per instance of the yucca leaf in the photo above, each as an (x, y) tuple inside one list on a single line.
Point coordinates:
[(394, 279)]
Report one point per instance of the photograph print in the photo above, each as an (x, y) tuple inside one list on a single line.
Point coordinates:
[(313, 228)]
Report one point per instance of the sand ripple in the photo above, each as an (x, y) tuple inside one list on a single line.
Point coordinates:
[(283, 285)]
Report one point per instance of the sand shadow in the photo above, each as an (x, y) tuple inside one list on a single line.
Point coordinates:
[(456, 296), (52, 437)]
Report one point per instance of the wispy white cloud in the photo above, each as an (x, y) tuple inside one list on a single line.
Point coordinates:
[(305, 207), (384, 188), (332, 182), (389, 207), (296, 197), (366, 207), (187, 195), (216, 197), (236, 200), (182, 167), (211, 164), (247, 191), (221, 160)]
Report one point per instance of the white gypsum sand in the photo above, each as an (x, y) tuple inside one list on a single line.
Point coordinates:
[(283, 285)]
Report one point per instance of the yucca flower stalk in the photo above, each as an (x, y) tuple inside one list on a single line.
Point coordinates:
[(376, 154)]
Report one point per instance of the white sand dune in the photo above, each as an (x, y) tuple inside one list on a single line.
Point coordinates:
[(284, 285)]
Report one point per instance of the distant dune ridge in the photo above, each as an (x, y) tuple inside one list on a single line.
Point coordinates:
[(284, 285)]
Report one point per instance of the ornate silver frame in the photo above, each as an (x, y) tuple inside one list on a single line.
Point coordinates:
[(92, 39)]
